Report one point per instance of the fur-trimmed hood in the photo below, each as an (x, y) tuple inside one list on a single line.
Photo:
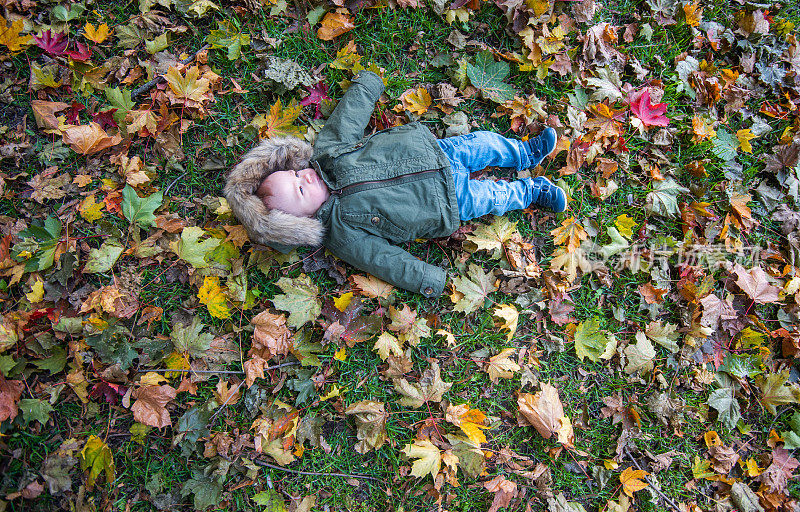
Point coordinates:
[(264, 226)]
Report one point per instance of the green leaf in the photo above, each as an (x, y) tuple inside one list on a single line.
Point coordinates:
[(775, 391), (228, 37), (474, 287), (103, 259), (300, 299), (206, 491), (6, 364), (113, 345), (271, 500), (726, 405), (196, 8), (791, 438), (121, 100), (159, 43), (61, 13), (663, 200), (488, 75), (665, 335), (190, 340), (725, 145), (35, 410), (97, 457), (305, 350), (55, 363), (190, 249), (302, 384), (140, 210), (590, 341)]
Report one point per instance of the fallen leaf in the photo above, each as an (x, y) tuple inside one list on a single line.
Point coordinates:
[(470, 421), (96, 456), (545, 412), (214, 297), (150, 406), (430, 388), (631, 480), (370, 417), (333, 25), (504, 491), (501, 365), (89, 139), (429, 458)]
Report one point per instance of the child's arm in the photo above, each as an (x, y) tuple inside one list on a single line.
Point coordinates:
[(352, 113), (394, 265)]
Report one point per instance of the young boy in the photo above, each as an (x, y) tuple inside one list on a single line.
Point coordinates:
[(358, 196)]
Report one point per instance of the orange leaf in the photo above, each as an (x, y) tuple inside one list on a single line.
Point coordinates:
[(333, 25), (96, 35), (630, 480), (278, 123), (10, 35), (89, 139), (415, 100), (570, 233), (372, 286), (702, 130), (44, 112), (607, 121), (150, 407)]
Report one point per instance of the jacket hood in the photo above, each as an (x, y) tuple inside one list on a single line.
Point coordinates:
[(277, 229)]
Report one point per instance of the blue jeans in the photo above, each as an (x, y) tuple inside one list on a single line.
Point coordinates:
[(476, 151)]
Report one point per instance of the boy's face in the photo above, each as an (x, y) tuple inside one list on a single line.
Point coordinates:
[(298, 193)]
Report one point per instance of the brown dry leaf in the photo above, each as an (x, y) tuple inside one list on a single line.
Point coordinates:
[(10, 393), (271, 337), (370, 417), (570, 234), (754, 283), (502, 366), (430, 388), (44, 113), (225, 395), (144, 121), (372, 286), (545, 412), (89, 139), (334, 24), (777, 475), (254, 368), (504, 491), (237, 235), (607, 121), (150, 407)]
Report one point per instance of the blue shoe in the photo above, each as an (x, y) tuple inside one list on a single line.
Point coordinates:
[(541, 146), (548, 195)]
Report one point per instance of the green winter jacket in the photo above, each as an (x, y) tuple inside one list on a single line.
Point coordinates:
[(391, 187)]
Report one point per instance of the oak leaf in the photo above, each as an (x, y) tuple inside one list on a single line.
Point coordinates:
[(150, 407), (89, 139)]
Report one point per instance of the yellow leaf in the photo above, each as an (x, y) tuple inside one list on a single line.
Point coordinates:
[(501, 366), (702, 129), (387, 344), (342, 302), (36, 293), (415, 100), (10, 35), (97, 35), (694, 14), (189, 86), (176, 361), (610, 464), (447, 335), (90, 210), (429, 458), (509, 316), (625, 225), (744, 137), (96, 456), (152, 379), (278, 122), (333, 25), (630, 480), (539, 6), (340, 355), (347, 58), (333, 393), (751, 467), (570, 234), (213, 296), (712, 439), (469, 420)]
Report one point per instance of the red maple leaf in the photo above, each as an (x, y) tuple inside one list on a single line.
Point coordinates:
[(316, 95), (105, 118), (82, 54), (52, 43), (651, 115), (110, 391), (72, 113)]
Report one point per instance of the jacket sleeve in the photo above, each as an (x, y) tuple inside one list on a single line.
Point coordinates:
[(394, 265), (351, 115)]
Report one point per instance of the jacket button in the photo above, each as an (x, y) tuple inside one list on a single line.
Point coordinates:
[(376, 220), (429, 291)]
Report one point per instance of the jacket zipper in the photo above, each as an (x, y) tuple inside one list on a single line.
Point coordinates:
[(341, 191)]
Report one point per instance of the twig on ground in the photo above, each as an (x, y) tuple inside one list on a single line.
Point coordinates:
[(230, 395), (650, 483), (314, 473), (149, 85), (232, 372)]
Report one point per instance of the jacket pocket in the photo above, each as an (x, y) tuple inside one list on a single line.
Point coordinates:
[(377, 224)]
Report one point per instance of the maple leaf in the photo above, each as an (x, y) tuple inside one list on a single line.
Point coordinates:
[(53, 43), (470, 421), (504, 489), (487, 75), (82, 54), (665, 335), (640, 356), (190, 249), (228, 37), (570, 232), (10, 393), (226, 395), (491, 237), (44, 113), (89, 139), (96, 456), (10, 35), (430, 388), (593, 343), (429, 458), (189, 86), (300, 299), (663, 200), (278, 123), (501, 365), (470, 291), (777, 474), (347, 58), (775, 391), (702, 129), (387, 344), (96, 35), (745, 136), (334, 24), (570, 262), (150, 406), (545, 412), (607, 121), (214, 297), (271, 336), (370, 417), (103, 259), (754, 283), (317, 94), (625, 225), (372, 286), (415, 100), (650, 115), (509, 316), (143, 121), (631, 480)]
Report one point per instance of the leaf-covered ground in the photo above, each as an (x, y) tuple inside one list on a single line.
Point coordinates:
[(634, 353)]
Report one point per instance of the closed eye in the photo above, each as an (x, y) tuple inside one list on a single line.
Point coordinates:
[(301, 191)]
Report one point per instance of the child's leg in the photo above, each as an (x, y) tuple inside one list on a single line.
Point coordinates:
[(478, 197), (477, 150)]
